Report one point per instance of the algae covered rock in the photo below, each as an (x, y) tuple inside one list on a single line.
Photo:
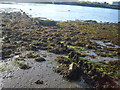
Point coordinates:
[(72, 67), (73, 72), (32, 55), (63, 60), (48, 23), (68, 71), (24, 66), (39, 59)]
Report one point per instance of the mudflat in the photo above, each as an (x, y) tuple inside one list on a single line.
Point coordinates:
[(50, 54)]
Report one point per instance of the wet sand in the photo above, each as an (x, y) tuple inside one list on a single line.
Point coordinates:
[(18, 78)]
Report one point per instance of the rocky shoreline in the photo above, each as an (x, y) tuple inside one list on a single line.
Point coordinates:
[(89, 49)]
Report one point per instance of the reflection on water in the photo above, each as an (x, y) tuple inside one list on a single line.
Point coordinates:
[(66, 12)]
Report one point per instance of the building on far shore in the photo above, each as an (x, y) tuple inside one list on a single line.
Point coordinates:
[(116, 3)]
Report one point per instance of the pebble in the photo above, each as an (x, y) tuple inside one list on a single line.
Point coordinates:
[(39, 82)]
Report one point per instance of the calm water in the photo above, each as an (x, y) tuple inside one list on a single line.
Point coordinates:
[(66, 12)]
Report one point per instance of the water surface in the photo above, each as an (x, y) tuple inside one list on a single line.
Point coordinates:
[(66, 12)]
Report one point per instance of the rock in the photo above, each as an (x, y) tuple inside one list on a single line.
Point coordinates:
[(82, 55), (3, 25), (72, 54), (39, 82), (89, 46), (72, 67), (39, 59), (63, 60), (47, 23), (17, 53), (31, 55), (58, 70), (106, 41), (72, 73), (24, 66), (12, 55), (20, 59)]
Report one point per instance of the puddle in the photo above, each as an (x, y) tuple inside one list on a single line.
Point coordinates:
[(91, 53), (98, 58), (105, 44)]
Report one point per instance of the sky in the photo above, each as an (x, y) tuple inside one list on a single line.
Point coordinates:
[(109, 1)]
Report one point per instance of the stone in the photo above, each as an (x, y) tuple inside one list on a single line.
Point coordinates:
[(39, 82), (72, 67), (39, 59)]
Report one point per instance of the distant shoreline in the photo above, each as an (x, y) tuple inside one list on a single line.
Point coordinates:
[(81, 4)]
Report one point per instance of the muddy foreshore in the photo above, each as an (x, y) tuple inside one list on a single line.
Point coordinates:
[(86, 51)]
